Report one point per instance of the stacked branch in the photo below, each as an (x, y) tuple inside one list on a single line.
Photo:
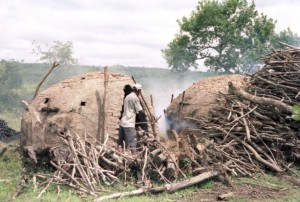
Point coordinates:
[(252, 130), (88, 165)]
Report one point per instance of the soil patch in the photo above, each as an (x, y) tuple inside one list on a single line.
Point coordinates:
[(248, 192)]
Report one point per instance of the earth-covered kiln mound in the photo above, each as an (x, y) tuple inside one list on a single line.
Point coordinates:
[(245, 128), (197, 101), (77, 105), (65, 124)]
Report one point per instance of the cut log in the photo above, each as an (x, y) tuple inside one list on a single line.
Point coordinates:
[(200, 147), (170, 168), (260, 100), (108, 162), (167, 187), (114, 156), (170, 171), (159, 159), (155, 152), (186, 183)]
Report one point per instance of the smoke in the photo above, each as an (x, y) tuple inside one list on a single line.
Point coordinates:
[(160, 83), (162, 89)]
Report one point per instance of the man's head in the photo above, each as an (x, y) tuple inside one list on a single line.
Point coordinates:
[(137, 88), (127, 90)]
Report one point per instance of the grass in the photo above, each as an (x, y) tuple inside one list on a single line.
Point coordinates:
[(13, 121), (50, 195), (11, 173), (267, 180), (12, 170)]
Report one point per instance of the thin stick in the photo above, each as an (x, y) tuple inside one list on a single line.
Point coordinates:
[(43, 191), (145, 163), (247, 128), (241, 116), (39, 85)]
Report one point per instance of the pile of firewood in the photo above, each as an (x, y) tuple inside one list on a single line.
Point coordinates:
[(252, 130), (88, 165)]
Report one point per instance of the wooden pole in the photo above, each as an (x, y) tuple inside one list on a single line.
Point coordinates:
[(151, 100), (39, 85), (151, 117), (104, 131), (181, 106), (170, 188)]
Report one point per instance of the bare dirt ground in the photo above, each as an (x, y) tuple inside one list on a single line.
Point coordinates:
[(287, 188), (244, 191)]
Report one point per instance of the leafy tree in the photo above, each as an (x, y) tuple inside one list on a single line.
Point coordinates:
[(228, 35), (288, 37), (179, 55), (59, 52), (11, 81)]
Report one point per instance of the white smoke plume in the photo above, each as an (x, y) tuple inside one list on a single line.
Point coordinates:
[(163, 89)]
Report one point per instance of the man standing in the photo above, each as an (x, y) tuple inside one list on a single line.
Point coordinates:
[(132, 107), (121, 140)]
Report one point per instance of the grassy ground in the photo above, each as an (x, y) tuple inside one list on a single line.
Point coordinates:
[(11, 169), (261, 188), (13, 121)]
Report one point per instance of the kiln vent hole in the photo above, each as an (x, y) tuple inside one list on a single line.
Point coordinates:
[(46, 100)]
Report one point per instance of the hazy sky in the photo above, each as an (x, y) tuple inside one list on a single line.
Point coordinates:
[(109, 32)]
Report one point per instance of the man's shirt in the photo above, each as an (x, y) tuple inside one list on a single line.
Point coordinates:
[(132, 106)]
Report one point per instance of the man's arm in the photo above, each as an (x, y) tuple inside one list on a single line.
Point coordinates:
[(141, 120)]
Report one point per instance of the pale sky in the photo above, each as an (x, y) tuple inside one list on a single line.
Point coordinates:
[(110, 32)]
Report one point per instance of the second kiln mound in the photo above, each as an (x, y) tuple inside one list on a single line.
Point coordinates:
[(197, 101)]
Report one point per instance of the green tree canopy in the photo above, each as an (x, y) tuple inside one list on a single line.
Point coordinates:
[(59, 52), (228, 35), (287, 37), (11, 81)]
